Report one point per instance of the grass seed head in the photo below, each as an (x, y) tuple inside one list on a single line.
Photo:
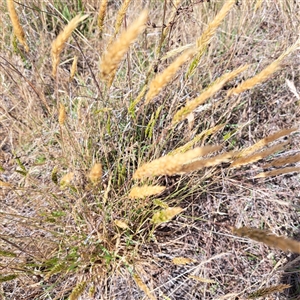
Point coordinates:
[(101, 15), (278, 172), (77, 291), (73, 68), (145, 191), (268, 291), (209, 92), (62, 115), (161, 80), (18, 30), (140, 283), (171, 165), (96, 173), (263, 236), (166, 215), (265, 141), (258, 156), (116, 51), (264, 74), (59, 43)]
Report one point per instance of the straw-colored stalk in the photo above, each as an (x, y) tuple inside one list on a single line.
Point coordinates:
[(73, 68), (145, 191), (258, 156), (95, 173), (5, 184), (207, 35), (59, 43), (268, 291), (18, 30), (209, 92), (263, 142), (283, 161), (263, 236), (278, 172), (264, 74), (207, 162), (62, 115), (171, 165), (115, 52), (101, 15), (162, 79), (140, 283)]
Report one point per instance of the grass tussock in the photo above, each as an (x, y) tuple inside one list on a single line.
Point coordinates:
[(134, 149)]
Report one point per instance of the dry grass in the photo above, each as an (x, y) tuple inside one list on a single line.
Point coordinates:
[(104, 197)]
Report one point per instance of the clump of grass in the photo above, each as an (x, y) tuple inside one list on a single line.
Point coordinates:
[(106, 187)]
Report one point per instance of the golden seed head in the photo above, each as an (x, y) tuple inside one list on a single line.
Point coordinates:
[(96, 173)]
